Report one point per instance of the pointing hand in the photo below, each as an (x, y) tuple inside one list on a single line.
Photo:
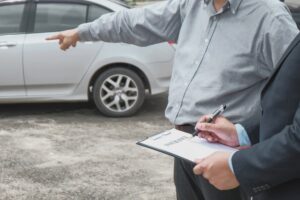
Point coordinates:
[(66, 38)]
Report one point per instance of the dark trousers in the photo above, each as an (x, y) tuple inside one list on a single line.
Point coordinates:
[(192, 187)]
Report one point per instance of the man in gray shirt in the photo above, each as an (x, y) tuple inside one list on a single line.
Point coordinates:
[(226, 49)]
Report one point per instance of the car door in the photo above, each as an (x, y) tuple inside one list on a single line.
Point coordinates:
[(48, 70), (11, 44)]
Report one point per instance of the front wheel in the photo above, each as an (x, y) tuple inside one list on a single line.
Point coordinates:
[(118, 92)]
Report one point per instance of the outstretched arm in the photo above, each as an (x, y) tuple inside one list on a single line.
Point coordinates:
[(152, 24)]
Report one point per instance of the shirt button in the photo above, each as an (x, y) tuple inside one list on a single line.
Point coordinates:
[(185, 84), (197, 62), (206, 40)]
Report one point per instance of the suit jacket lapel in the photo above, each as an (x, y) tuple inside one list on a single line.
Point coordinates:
[(279, 64)]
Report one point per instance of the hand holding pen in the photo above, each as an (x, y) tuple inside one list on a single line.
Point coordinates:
[(219, 111)]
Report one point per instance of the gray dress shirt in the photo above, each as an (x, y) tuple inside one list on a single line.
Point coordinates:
[(222, 57)]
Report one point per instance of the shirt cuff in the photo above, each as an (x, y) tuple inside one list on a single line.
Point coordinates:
[(84, 32), (242, 135), (230, 162)]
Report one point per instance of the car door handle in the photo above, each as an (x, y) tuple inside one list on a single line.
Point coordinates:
[(7, 44)]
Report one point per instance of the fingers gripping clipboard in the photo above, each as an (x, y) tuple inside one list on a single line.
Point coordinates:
[(183, 145)]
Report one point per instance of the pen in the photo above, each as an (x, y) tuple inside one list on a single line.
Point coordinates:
[(212, 117)]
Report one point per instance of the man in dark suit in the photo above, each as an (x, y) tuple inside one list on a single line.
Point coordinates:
[(270, 168)]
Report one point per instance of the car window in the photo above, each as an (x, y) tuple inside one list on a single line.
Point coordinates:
[(11, 18), (123, 3), (292, 2), (294, 6), (57, 17), (96, 12)]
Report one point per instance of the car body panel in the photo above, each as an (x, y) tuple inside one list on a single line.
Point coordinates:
[(156, 69), (55, 72), (11, 76), (136, 55)]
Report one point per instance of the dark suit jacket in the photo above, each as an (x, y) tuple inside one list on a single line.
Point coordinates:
[(270, 170)]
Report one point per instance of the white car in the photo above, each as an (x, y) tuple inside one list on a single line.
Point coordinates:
[(115, 76)]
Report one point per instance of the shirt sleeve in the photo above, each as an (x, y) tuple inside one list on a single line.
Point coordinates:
[(242, 134), (243, 141), (280, 31), (152, 24)]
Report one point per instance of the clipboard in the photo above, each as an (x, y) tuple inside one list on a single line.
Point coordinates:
[(182, 145)]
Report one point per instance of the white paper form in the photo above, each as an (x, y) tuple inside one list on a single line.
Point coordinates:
[(183, 145)]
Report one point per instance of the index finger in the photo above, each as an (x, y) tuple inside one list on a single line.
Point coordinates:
[(210, 137), (200, 166), (204, 118), (55, 37), (208, 127), (198, 161)]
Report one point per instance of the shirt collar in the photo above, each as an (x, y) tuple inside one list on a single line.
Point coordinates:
[(233, 4)]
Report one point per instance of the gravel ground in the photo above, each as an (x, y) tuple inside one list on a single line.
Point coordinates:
[(70, 151)]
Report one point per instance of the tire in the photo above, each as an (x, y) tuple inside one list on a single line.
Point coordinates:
[(118, 92)]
